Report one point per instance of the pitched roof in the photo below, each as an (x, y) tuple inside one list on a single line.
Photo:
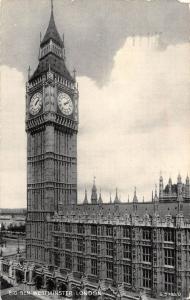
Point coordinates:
[(56, 64), (52, 33), (124, 208)]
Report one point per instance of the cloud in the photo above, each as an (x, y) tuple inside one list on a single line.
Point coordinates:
[(138, 124), (184, 1), (97, 31), (181, 1), (13, 139), (130, 129)]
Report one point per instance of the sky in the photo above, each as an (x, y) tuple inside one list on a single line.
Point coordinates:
[(133, 68)]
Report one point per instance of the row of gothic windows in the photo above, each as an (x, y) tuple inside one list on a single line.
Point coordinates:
[(169, 278)]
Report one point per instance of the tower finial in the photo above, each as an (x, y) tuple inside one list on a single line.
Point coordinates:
[(52, 6)]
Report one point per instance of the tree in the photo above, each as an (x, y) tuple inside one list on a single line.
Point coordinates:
[(3, 227)]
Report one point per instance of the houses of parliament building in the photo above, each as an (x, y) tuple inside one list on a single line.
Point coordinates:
[(97, 250)]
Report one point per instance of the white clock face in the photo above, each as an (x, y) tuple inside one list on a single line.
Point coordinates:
[(36, 103), (65, 104)]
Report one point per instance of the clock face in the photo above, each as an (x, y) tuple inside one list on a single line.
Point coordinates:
[(36, 103), (65, 104)]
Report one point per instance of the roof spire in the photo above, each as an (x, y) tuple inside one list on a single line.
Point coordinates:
[(52, 6), (135, 199), (85, 198), (94, 196), (116, 197), (100, 198), (51, 32), (179, 178)]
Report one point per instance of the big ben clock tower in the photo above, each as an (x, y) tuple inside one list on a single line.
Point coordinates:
[(51, 126)]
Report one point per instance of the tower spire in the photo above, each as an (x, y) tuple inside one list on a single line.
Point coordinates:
[(94, 197), (116, 197), (52, 6), (135, 199), (100, 198), (51, 32)]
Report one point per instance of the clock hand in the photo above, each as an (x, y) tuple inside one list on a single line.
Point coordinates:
[(37, 102), (66, 102)]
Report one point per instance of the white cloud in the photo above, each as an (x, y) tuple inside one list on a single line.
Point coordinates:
[(181, 1), (13, 139), (184, 1), (138, 124), (129, 130)]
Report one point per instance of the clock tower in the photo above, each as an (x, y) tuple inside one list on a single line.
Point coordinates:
[(51, 126)]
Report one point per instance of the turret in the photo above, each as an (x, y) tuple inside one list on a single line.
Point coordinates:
[(100, 201), (94, 197), (161, 186), (135, 199), (116, 197), (156, 199), (187, 187), (179, 179), (170, 185), (85, 198), (179, 185)]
